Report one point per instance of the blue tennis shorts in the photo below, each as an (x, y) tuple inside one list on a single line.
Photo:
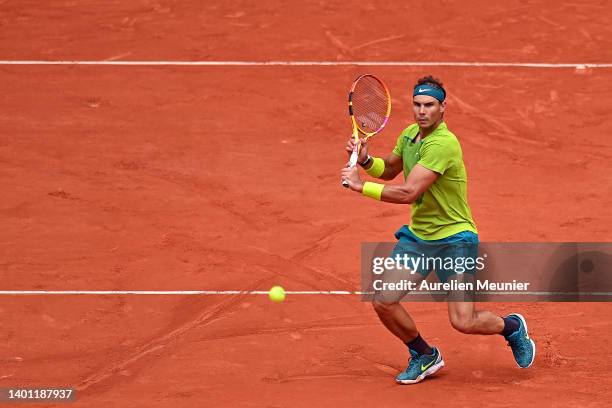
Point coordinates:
[(456, 254)]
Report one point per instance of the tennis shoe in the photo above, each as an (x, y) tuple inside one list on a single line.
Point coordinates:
[(523, 348), (420, 366)]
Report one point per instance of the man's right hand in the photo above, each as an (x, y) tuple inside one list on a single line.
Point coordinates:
[(363, 152)]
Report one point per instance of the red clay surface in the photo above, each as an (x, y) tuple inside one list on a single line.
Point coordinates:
[(117, 178)]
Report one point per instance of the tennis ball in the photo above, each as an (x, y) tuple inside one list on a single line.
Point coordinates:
[(277, 294)]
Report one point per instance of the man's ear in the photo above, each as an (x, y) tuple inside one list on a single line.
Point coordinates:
[(442, 106)]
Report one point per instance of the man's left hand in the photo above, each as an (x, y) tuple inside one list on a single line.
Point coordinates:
[(352, 176)]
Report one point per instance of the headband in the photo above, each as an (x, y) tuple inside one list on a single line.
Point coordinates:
[(430, 90)]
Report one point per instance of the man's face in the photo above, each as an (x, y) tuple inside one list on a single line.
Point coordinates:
[(427, 110)]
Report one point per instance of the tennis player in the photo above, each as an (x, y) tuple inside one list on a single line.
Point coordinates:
[(436, 185)]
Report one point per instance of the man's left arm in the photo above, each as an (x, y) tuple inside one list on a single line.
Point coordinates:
[(418, 181)]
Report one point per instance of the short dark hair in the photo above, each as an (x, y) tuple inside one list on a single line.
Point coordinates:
[(430, 80)]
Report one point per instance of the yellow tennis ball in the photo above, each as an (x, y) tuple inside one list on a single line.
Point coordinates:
[(277, 294)]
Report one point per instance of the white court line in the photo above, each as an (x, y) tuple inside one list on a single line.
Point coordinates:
[(263, 292), (319, 63)]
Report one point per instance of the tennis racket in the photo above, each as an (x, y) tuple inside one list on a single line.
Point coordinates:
[(369, 104)]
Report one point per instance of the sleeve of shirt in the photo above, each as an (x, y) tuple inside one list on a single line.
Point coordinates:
[(399, 145), (439, 154)]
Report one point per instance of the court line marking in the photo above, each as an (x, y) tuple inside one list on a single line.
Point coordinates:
[(575, 65), (265, 292)]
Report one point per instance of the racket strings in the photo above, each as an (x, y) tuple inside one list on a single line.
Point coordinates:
[(370, 104)]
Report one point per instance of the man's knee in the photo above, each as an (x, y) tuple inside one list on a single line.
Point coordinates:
[(384, 307), (464, 323)]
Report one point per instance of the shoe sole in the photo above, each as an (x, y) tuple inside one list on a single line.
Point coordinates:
[(520, 316), (431, 370)]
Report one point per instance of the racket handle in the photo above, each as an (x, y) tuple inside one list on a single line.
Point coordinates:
[(352, 163)]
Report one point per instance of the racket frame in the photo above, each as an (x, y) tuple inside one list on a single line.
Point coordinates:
[(356, 129)]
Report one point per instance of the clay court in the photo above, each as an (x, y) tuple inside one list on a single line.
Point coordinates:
[(225, 177)]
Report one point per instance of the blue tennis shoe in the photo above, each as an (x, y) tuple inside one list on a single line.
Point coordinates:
[(420, 366), (523, 348)]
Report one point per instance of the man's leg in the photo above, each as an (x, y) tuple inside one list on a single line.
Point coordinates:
[(424, 359), (386, 302), (387, 305), (462, 312), (466, 319), (396, 319)]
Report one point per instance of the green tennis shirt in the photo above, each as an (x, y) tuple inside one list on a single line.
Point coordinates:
[(442, 210)]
